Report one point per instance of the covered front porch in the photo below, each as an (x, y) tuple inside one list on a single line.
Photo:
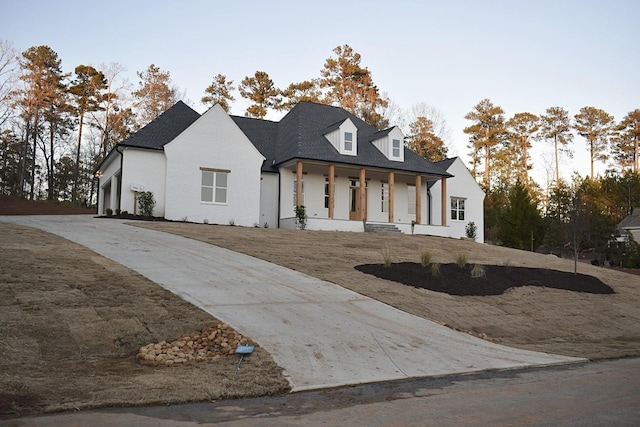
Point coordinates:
[(345, 197)]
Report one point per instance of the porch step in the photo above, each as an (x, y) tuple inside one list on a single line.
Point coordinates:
[(381, 228)]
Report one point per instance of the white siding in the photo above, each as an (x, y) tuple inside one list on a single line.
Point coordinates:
[(463, 186), (213, 141), (269, 200), (145, 168)]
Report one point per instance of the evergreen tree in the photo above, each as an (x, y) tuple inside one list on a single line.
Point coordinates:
[(219, 92), (522, 128), (425, 142), (88, 90), (626, 147), (596, 126), (307, 90), (261, 90), (351, 86), (556, 127), (521, 224), (487, 133)]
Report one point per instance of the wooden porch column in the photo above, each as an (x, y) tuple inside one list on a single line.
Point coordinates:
[(418, 199), (332, 171), (299, 183), (391, 191), (444, 201), (363, 195)]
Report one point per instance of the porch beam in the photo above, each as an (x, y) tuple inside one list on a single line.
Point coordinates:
[(332, 171), (391, 198), (299, 183), (363, 195), (418, 199), (444, 202)]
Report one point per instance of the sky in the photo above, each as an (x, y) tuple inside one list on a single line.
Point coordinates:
[(525, 56)]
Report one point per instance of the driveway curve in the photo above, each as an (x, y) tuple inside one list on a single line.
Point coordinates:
[(323, 335)]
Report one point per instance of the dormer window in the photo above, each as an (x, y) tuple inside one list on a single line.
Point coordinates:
[(395, 149), (348, 141), (344, 137), (390, 143)]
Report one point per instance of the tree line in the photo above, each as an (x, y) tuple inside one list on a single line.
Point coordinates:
[(56, 127)]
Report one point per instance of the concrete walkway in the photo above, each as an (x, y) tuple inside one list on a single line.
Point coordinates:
[(322, 334)]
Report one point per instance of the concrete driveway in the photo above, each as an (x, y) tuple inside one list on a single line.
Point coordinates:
[(321, 334)]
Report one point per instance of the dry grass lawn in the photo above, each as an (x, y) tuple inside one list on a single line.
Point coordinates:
[(71, 324)]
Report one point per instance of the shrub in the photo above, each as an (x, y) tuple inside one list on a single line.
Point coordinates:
[(266, 225), (125, 213), (109, 212), (386, 256), (471, 230), (425, 257), (205, 221), (301, 217), (118, 211), (146, 203), (232, 222), (462, 259), (478, 270)]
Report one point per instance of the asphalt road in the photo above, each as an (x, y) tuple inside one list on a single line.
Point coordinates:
[(605, 393)]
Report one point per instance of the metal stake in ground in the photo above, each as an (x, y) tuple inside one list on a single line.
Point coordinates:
[(243, 350)]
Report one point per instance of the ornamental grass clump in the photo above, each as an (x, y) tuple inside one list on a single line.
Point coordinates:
[(478, 271), (435, 269), (425, 257), (462, 260), (386, 256)]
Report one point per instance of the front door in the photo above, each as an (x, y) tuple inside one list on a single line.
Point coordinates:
[(355, 210)]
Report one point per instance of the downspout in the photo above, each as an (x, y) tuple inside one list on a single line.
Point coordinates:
[(279, 196), (121, 172)]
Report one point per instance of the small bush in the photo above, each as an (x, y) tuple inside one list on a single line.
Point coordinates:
[(301, 217), (471, 230), (462, 260), (232, 222), (266, 225), (125, 213), (205, 221), (109, 212), (118, 211), (386, 256), (425, 257), (435, 269), (478, 270), (146, 203)]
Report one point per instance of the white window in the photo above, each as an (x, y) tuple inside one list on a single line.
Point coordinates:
[(457, 209), (411, 199), (326, 192), (348, 141), (295, 191), (385, 197), (213, 187), (395, 148)]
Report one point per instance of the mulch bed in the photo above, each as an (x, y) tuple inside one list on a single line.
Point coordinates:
[(454, 280)]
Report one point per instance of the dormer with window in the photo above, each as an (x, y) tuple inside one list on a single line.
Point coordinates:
[(344, 138), (390, 143)]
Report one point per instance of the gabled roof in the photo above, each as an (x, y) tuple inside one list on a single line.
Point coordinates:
[(631, 222), (164, 129), (300, 135)]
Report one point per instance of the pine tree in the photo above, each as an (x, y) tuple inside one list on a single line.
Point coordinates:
[(261, 90), (596, 126), (556, 127), (155, 94), (626, 147), (219, 92)]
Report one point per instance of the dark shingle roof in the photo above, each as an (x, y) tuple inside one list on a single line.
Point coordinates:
[(300, 135), (632, 221), (164, 128)]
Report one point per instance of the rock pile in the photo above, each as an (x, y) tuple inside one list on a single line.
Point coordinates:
[(207, 345)]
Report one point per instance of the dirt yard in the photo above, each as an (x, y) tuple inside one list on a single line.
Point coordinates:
[(71, 322), (71, 325)]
